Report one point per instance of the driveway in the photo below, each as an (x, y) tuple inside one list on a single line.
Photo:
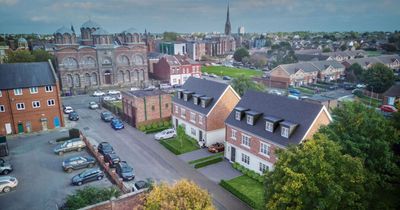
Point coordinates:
[(148, 158), (194, 155), (222, 170), (42, 184)]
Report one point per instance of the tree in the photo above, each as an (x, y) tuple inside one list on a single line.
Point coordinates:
[(19, 56), (183, 194), (316, 175), (326, 49), (258, 60), (240, 54), (180, 132), (364, 133), (343, 47), (90, 195), (42, 55), (354, 72), (378, 78), (242, 83), (170, 36)]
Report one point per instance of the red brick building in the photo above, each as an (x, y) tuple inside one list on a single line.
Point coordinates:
[(201, 107), (29, 98), (262, 123), (175, 69), (142, 107)]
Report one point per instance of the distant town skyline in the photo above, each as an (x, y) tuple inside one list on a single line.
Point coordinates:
[(157, 16)]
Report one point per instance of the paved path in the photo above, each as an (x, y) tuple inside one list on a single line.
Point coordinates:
[(217, 172), (194, 155), (147, 156)]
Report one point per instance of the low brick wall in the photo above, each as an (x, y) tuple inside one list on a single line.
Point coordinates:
[(125, 202), (110, 171)]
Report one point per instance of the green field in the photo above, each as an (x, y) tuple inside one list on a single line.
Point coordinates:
[(249, 187), (230, 71)]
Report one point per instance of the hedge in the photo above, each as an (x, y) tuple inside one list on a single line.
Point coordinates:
[(239, 194), (170, 148), (250, 173), (208, 162)]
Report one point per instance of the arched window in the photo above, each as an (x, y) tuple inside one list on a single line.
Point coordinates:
[(87, 79), (141, 75), (70, 81), (94, 79), (138, 59), (89, 62), (123, 60), (70, 63), (127, 76), (77, 80), (136, 75), (120, 76)]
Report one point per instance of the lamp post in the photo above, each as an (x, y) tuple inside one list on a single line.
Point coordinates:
[(370, 99)]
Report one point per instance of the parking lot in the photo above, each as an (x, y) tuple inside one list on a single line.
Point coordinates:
[(42, 182)]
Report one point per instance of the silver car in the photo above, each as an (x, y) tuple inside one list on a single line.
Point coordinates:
[(7, 183), (71, 145)]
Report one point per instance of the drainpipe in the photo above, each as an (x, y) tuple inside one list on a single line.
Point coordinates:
[(11, 109), (159, 103), (145, 109)]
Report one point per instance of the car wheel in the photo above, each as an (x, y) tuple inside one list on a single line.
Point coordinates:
[(79, 149), (69, 170), (99, 178), (7, 189), (79, 183), (90, 165), (60, 153), (5, 172)]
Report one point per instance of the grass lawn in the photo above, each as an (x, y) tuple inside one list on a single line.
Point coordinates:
[(220, 154), (249, 187), (367, 100), (118, 104), (230, 71), (180, 148)]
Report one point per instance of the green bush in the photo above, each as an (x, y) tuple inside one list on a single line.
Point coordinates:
[(74, 133), (148, 127), (160, 124), (89, 196), (154, 125), (358, 93), (208, 162), (166, 123), (239, 194), (170, 148), (261, 179), (142, 128)]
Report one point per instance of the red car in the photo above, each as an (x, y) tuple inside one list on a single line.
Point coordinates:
[(388, 108), (217, 147)]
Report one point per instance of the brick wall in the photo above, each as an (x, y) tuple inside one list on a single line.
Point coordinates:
[(321, 120), (161, 70), (200, 119)]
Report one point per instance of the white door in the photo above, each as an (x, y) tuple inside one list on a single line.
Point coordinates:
[(8, 128)]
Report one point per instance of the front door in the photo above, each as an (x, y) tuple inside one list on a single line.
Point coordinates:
[(107, 77), (56, 122), (44, 125), (233, 154), (200, 135), (8, 128), (20, 128)]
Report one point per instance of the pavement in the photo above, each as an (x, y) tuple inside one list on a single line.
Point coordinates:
[(220, 171), (42, 184), (148, 158), (194, 155)]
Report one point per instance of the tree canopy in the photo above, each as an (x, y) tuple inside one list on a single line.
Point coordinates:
[(354, 72), (240, 54), (170, 36), (315, 175), (25, 56), (183, 194), (242, 83), (378, 78), (88, 196)]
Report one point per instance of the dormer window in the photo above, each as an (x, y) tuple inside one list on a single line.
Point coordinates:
[(252, 117), (285, 132), (238, 115), (250, 120), (269, 126), (203, 103), (185, 97), (196, 100), (288, 128), (239, 112)]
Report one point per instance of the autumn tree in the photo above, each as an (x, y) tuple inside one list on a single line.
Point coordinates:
[(315, 175), (183, 195)]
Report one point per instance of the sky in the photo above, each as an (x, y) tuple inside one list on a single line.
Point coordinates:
[(46, 16)]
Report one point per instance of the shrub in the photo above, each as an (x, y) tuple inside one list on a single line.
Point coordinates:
[(142, 128), (166, 123), (148, 127), (154, 126), (170, 148), (88, 196), (358, 93), (74, 133), (239, 194), (261, 179), (208, 162), (160, 124)]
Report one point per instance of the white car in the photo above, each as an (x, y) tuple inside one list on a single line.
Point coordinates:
[(361, 86), (165, 86), (7, 183), (109, 98), (93, 105), (98, 93), (165, 134), (68, 109), (205, 74), (114, 92), (151, 87), (213, 75), (276, 92)]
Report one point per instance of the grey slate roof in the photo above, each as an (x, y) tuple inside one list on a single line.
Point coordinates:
[(294, 67), (307, 57), (363, 61), (204, 87), (25, 75), (90, 24), (393, 91), (388, 59), (279, 107), (144, 93), (64, 30), (322, 65)]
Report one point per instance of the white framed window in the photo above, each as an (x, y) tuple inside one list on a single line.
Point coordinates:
[(203, 103), (51, 102), (193, 117), (264, 148), (18, 92), (285, 132), (249, 119), (238, 115), (245, 159), (233, 134), (200, 120), (20, 106), (1, 93), (2, 108), (49, 88), (176, 109), (245, 140), (33, 90), (263, 168), (35, 104), (183, 113), (185, 97), (193, 131), (195, 100), (269, 126)]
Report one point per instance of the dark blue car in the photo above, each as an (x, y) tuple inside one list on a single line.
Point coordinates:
[(117, 124), (294, 92)]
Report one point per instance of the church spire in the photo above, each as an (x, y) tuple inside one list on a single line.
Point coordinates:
[(228, 22)]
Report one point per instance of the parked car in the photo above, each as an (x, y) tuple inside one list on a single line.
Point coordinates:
[(296, 97), (7, 183), (165, 134), (333, 87), (98, 93), (294, 91), (78, 162), (176, 86), (213, 75), (71, 145), (217, 147), (205, 74), (151, 87), (276, 92), (361, 86), (87, 176), (109, 98), (105, 148), (5, 167), (112, 159), (119, 97), (93, 105), (68, 109), (117, 124), (114, 92), (388, 108), (106, 116), (226, 78), (349, 87), (165, 86), (73, 116), (140, 185), (125, 171)]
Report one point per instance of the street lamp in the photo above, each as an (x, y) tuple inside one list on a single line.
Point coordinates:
[(370, 99)]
